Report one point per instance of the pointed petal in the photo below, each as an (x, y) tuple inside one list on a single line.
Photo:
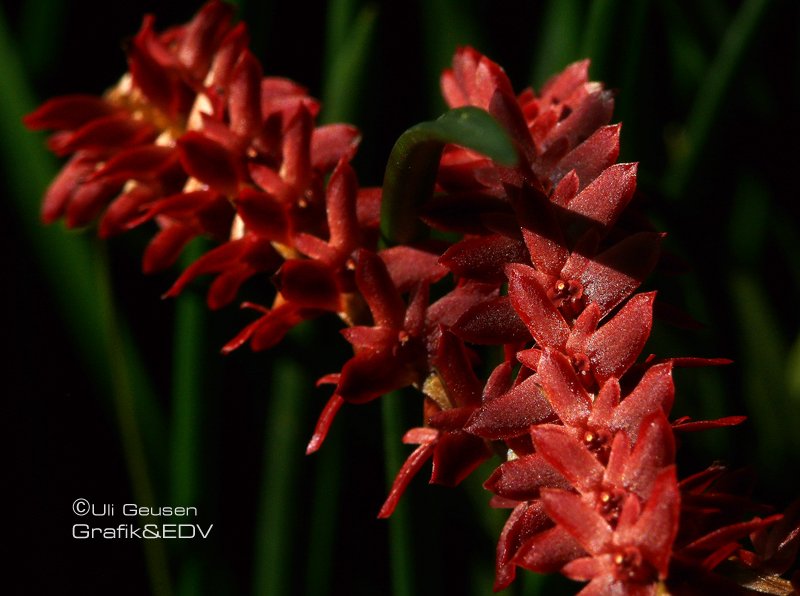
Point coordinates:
[(530, 300), (614, 347), (564, 390)]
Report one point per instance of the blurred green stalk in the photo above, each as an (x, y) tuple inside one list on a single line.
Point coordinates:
[(81, 287)]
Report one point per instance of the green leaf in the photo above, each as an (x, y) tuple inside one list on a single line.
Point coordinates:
[(414, 160)]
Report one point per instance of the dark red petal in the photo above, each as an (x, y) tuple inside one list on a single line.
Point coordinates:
[(61, 189), (614, 347), (655, 391), (540, 230), (549, 551), (209, 162), (126, 211), (202, 36), (570, 457), (511, 414), (324, 423), (612, 276), (452, 363), (456, 455), (560, 86), (450, 307), (103, 134), (236, 40), (376, 286), (688, 425), (482, 258), (166, 246), (521, 479), (591, 157), (264, 215), (585, 524), (244, 97), (341, 209), (657, 526), (296, 147), (605, 198), (409, 469), (409, 266), (214, 261), (274, 326), (332, 143), (653, 451), (491, 322), (530, 300), (89, 199), (563, 389), (309, 284), (68, 112), (142, 163), (369, 375)]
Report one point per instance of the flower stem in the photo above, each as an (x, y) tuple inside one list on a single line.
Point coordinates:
[(400, 540), (712, 93), (186, 433), (124, 405), (282, 460)]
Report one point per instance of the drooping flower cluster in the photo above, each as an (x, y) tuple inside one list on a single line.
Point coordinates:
[(195, 138), (548, 266)]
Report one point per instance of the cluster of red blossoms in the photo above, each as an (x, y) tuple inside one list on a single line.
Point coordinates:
[(197, 140)]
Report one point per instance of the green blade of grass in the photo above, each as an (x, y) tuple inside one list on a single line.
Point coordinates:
[(345, 73), (711, 95), (599, 33), (129, 426), (558, 39), (446, 25), (186, 432), (274, 533), (401, 547)]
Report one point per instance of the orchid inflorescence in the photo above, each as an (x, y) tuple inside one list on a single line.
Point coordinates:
[(546, 266)]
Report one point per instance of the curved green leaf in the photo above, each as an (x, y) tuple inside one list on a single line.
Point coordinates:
[(414, 161)]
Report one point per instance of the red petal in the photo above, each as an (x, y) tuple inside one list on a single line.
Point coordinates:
[(264, 215), (585, 524), (522, 479), (530, 300), (591, 157), (605, 198), (209, 162), (614, 347), (166, 246), (409, 469), (69, 112), (563, 388), (569, 456), (332, 143), (511, 414), (324, 423), (309, 284), (482, 258), (244, 97), (491, 322)]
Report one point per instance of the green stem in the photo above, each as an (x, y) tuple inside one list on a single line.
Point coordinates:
[(124, 403), (400, 540), (558, 39), (411, 171), (189, 354), (282, 460), (599, 33), (712, 93)]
